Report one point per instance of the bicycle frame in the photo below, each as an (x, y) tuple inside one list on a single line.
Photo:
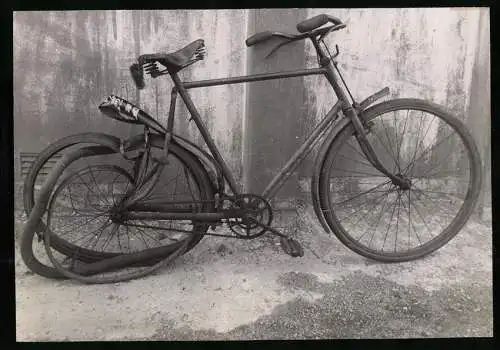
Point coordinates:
[(293, 162), (343, 104)]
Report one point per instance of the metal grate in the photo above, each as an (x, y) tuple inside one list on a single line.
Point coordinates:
[(26, 160)]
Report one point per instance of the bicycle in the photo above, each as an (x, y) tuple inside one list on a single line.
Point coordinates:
[(357, 136)]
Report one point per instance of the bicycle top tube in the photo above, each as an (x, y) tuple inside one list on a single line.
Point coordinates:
[(159, 64)]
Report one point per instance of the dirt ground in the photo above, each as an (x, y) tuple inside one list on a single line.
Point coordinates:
[(226, 290)]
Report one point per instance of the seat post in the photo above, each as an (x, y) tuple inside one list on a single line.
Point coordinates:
[(322, 57), (195, 115)]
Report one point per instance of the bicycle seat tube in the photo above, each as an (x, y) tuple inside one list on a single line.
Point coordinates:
[(348, 109)]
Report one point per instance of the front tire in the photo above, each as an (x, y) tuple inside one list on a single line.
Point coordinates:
[(427, 145)]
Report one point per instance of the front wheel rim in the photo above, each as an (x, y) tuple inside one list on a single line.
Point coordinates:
[(383, 194)]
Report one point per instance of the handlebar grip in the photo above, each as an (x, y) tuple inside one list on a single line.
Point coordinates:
[(257, 38), (316, 22)]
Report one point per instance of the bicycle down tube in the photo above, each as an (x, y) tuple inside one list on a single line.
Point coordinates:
[(182, 87)]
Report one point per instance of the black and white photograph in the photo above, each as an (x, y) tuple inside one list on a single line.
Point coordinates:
[(252, 174)]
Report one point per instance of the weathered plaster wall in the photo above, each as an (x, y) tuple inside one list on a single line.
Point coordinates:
[(65, 63), (425, 53), (432, 54)]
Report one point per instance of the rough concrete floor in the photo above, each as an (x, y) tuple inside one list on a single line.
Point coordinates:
[(227, 289)]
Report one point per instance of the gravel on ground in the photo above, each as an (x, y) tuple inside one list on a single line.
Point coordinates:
[(232, 289)]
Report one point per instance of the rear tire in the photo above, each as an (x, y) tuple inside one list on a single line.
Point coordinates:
[(65, 247), (82, 208)]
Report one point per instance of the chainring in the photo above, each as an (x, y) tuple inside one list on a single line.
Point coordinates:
[(256, 210)]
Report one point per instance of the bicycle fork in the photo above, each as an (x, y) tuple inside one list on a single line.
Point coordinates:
[(351, 112), (366, 147)]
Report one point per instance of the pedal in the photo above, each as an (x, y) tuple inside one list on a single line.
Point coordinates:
[(291, 247)]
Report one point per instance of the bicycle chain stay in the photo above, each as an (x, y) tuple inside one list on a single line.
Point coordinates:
[(240, 210)]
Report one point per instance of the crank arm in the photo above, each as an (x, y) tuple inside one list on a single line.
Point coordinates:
[(289, 245), (269, 228)]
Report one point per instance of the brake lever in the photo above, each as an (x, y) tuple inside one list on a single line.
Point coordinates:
[(336, 51)]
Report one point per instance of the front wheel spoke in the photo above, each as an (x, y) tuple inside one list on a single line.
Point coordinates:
[(389, 226), (404, 129), (383, 145), (390, 144), (396, 135), (71, 201), (432, 167), (409, 220), (367, 202), (358, 172), (421, 218), (188, 183), (417, 146), (445, 193), (435, 208), (397, 221), (378, 221), (381, 198), (362, 193), (73, 215), (410, 223), (363, 156), (70, 197), (357, 161), (118, 238), (112, 189), (425, 152), (441, 173)]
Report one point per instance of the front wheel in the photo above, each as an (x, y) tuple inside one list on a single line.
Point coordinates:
[(426, 145)]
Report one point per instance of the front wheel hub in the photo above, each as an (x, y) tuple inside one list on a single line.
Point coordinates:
[(403, 182)]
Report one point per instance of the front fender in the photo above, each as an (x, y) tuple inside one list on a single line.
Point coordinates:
[(325, 147), (318, 165)]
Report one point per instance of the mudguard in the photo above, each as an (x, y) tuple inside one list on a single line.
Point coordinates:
[(207, 161), (211, 166), (318, 165), (363, 107)]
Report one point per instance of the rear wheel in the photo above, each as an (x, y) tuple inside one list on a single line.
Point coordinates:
[(85, 212), (33, 252), (424, 144)]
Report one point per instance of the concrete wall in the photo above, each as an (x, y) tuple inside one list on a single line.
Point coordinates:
[(437, 54), (65, 63), (275, 108), (59, 77), (420, 53)]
